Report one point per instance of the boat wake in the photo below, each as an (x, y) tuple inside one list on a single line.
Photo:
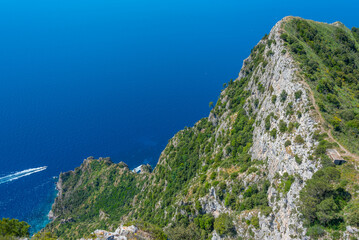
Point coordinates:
[(24, 173)]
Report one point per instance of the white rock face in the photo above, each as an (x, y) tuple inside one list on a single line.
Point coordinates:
[(121, 233), (280, 74)]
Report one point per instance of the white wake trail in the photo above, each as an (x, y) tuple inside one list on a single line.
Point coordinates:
[(24, 173)]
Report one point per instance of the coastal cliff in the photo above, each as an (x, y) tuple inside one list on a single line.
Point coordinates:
[(257, 167)]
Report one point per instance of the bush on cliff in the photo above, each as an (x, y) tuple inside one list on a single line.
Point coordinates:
[(13, 228)]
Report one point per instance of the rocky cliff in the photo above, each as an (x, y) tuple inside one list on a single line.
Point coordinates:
[(250, 170)]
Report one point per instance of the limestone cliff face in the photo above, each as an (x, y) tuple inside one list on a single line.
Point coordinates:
[(279, 74)]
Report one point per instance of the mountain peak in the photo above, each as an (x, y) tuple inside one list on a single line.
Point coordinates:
[(257, 167)]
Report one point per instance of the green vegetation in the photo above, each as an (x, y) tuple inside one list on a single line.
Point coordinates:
[(352, 216), (205, 222), (299, 139), (323, 199), (261, 88), (286, 182), (255, 221), (224, 225), (329, 58), (298, 159), (298, 94), (283, 96), (13, 228), (274, 99), (44, 236), (273, 133), (289, 109), (267, 123), (180, 232), (255, 197), (154, 230), (282, 126)]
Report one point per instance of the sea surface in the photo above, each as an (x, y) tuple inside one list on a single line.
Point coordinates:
[(116, 78)]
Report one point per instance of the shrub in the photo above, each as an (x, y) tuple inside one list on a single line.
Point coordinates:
[(222, 186), (298, 159), (253, 196), (333, 99), (283, 96), (353, 124), (271, 89), (298, 94), (282, 126), (321, 201), (266, 210), (287, 182), (287, 143), (348, 114), (255, 221), (273, 133), (325, 86), (215, 183), (327, 211), (299, 139), (180, 232), (256, 102), (252, 170), (352, 216), (261, 88), (49, 236), (299, 114), (213, 176), (336, 122), (290, 127), (267, 123), (203, 178), (205, 222), (274, 99), (229, 200), (234, 175), (13, 228), (224, 225), (316, 231), (322, 147), (270, 53), (321, 106), (289, 109)]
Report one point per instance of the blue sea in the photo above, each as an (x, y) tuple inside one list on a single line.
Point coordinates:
[(116, 78)]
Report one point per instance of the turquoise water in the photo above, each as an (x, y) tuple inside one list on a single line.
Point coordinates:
[(116, 78)]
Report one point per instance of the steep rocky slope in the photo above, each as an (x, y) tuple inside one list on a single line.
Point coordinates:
[(249, 170)]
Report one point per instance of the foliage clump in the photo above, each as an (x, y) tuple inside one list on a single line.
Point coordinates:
[(224, 225), (13, 228), (323, 199)]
